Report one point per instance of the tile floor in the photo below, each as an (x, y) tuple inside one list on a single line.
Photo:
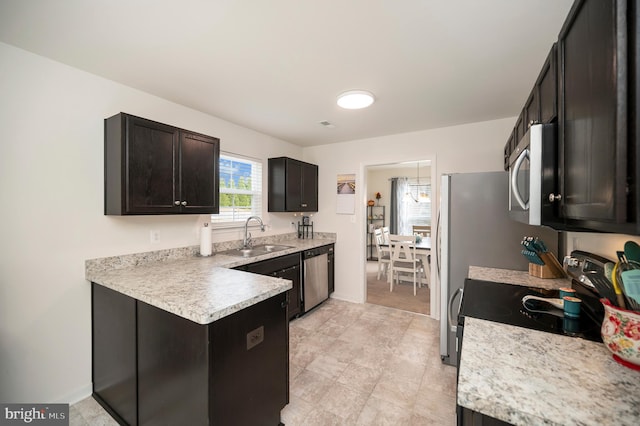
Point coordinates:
[(355, 364)]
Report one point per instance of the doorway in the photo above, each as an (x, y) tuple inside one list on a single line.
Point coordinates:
[(410, 209)]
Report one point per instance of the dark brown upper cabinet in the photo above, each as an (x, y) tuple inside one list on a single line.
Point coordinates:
[(154, 168), (293, 185), (597, 126), (546, 88), (540, 106)]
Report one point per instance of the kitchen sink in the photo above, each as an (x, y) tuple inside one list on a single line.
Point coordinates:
[(272, 247), (256, 251)]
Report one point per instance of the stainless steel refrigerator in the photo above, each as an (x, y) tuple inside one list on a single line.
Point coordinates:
[(474, 228)]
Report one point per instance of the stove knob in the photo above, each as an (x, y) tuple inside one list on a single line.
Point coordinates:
[(571, 262)]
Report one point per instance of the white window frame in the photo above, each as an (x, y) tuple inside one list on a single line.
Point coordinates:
[(412, 207), (235, 218)]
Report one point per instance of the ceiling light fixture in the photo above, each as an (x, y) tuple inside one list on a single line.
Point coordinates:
[(355, 99), (421, 196)]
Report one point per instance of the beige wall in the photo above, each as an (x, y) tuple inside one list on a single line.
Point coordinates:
[(51, 176), (468, 148), (51, 180)]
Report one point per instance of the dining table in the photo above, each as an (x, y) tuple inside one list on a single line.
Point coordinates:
[(423, 251)]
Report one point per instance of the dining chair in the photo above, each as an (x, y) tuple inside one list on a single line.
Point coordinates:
[(422, 230), (383, 251), (404, 259), (385, 234)]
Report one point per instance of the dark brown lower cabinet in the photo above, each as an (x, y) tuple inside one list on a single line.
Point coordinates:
[(467, 417), (153, 367), (287, 267), (113, 338)]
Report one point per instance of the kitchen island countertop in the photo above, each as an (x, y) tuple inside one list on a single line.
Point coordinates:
[(201, 289), (529, 377)]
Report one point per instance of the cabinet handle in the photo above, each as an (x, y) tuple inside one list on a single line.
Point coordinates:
[(184, 203), (177, 203), (284, 304), (303, 205), (554, 197)]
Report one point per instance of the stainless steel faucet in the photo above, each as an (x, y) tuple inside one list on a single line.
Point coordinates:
[(247, 235)]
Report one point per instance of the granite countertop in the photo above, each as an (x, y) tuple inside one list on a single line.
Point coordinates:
[(201, 289), (516, 277), (529, 377)]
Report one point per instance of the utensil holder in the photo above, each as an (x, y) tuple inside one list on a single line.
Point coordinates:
[(550, 269)]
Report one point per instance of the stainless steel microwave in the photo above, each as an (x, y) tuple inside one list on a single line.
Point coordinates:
[(532, 175)]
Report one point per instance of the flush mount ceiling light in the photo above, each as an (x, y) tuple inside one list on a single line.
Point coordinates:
[(355, 99)]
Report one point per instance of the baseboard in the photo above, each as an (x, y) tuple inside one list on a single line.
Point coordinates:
[(77, 395)]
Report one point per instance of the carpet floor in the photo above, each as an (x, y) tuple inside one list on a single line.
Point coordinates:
[(400, 298)]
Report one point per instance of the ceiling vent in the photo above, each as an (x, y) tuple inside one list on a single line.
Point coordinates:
[(325, 123)]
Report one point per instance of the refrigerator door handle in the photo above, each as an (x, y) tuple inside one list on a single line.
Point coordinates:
[(514, 179), (450, 309)]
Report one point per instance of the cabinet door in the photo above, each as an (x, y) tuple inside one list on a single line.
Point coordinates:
[(199, 189), (332, 272), (593, 111), (309, 186), (293, 274), (113, 326), (150, 166), (250, 360), (547, 87), (173, 368), (294, 185), (519, 129), (531, 109)]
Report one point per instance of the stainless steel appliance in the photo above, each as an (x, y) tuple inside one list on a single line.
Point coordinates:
[(315, 279), (532, 181), (475, 229)]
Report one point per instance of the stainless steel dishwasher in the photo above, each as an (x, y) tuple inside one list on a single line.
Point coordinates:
[(315, 278)]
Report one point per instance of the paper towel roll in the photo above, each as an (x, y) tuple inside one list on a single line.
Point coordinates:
[(205, 240)]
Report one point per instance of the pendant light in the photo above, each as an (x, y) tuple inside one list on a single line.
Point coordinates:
[(421, 196)]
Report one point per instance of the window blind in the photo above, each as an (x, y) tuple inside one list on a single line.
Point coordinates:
[(240, 190)]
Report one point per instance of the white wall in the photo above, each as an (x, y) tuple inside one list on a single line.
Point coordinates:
[(378, 181), (51, 176), (51, 181), (468, 148)]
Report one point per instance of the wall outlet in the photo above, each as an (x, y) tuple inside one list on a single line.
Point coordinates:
[(154, 236)]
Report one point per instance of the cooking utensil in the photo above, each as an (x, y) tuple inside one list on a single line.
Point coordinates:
[(632, 251), (629, 280), (616, 286), (538, 253), (604, 286), (530, 252), (608, 270), (532, 256)]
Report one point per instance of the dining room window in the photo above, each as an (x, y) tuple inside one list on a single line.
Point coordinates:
[(417, 209), (240, 190)]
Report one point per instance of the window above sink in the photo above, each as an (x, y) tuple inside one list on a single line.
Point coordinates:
[(240, 190)]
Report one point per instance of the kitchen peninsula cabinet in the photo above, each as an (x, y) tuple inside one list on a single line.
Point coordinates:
[(287, 267), (597, 127), (151, 366), (293, 185), (154, 168)]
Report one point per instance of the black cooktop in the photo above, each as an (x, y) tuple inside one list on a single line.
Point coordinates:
[(502, 303)]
